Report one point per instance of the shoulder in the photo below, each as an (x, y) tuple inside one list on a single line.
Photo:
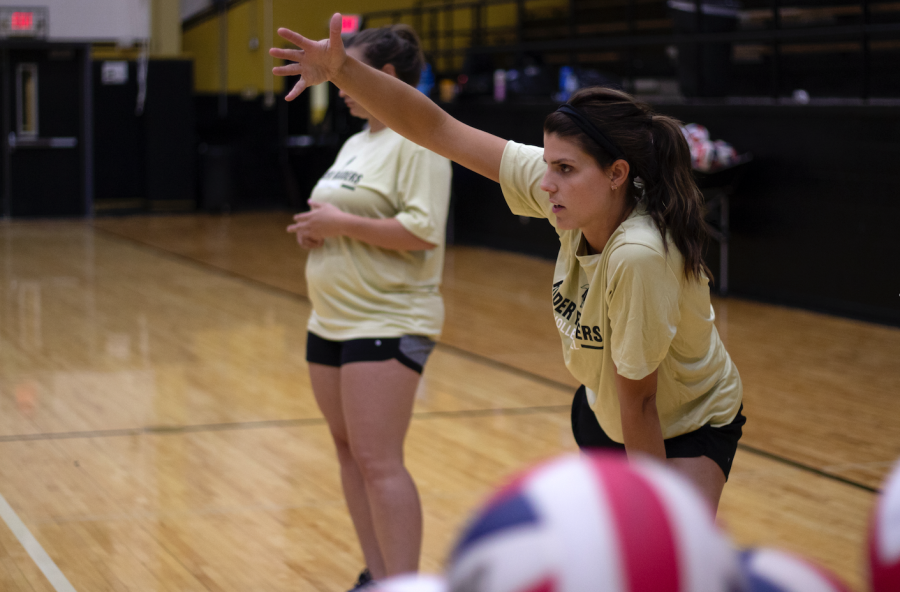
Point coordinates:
[(638, 236), (523, 153), (522, 166), (356, 139), (638, 244)]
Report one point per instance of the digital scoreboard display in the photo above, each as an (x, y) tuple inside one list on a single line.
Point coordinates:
[(30, 22)]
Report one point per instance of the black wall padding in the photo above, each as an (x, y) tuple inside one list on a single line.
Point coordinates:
[(153, 155), (169, 124), (245, 147), (118, 138)]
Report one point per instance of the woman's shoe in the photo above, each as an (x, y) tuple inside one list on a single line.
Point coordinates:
[(364, 579)]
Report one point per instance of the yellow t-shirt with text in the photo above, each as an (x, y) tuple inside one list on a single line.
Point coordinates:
[(359, 290), (630, 308)]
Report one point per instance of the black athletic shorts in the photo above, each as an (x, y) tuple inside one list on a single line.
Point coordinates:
[(410, 350), (719, 444)]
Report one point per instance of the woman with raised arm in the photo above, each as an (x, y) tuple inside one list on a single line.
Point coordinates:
[(376, 233), (630, 291)]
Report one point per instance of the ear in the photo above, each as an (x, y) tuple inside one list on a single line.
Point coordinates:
[(389, 69), (618, 172)]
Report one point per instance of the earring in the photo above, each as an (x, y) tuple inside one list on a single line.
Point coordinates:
[(613, 187)]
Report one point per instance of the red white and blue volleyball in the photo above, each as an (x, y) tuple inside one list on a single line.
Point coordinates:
[(770, 570), (595, 522), (884, 537)]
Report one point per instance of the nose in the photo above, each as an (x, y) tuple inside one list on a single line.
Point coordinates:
[(546, 184)]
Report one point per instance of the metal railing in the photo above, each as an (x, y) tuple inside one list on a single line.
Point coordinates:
[(624, 29)]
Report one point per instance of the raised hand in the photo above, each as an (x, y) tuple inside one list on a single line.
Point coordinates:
[(315, 61)]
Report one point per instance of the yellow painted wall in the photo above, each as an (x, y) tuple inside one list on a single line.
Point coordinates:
[(248, 68), (165, 33)]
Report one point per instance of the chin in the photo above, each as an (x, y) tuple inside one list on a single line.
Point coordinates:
[(562, 224)]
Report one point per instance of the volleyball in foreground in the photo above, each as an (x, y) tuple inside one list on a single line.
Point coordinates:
[(589, 523), (768, 570), (884, 537), (410, 583)]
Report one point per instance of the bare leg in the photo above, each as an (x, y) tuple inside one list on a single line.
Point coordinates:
[(705, 475), (377, 398), (326, 383)]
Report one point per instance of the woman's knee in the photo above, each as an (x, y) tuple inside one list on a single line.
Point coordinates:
[(376, 465)]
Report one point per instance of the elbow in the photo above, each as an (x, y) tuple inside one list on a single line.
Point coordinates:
[(639, 404), (420, 245), (648, 404)]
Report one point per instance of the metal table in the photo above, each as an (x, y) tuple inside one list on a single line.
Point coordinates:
[(718, 186)]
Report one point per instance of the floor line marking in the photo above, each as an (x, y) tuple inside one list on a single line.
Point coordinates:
[(53, 574), (265, 424), (803, 467)]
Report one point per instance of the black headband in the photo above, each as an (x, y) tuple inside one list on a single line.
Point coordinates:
[(592, 131)]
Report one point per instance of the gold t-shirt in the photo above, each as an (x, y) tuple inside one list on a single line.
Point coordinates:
[(630, 308), (359, 290)]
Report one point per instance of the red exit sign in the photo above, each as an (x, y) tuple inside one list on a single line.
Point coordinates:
[(28, 22), (22, 21), (349, 23)]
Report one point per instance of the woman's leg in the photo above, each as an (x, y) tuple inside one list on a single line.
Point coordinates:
[(705, 474), (377, 400), (326, 384)]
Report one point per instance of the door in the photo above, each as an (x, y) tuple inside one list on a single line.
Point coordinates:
[(44, 116)]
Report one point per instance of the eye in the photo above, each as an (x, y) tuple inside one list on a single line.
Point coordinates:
[(565, 168)]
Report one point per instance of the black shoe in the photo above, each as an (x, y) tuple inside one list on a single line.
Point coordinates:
[(364, 579)]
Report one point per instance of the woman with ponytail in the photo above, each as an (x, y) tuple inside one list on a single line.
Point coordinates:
[(375, 231), (630, 292)]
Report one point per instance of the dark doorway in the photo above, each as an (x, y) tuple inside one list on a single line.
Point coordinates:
[(44, 122)]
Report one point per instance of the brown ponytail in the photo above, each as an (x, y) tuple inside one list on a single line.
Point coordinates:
[(657, 152), (397, 45)]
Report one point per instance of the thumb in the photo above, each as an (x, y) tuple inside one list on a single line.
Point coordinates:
[(334, 36), (314, 205)]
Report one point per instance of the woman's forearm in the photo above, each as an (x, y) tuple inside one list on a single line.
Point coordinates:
[(640, 420), (385, 233), (417, 118), (641, 429)]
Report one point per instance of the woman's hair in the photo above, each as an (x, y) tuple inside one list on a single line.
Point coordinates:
[(397, 45), (657, 152)]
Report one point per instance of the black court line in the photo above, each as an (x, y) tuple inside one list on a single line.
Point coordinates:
[(183, 429), (806, 468), (272, 423), (465, 353)]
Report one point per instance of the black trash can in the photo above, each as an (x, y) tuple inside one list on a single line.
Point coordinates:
[(704, 69), (217, 177)]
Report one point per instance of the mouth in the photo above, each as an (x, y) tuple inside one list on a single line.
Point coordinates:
[(557, 208)]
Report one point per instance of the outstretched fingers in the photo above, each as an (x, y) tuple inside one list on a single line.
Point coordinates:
[(314, 61), (293, 55), (295, 38), (296, 91)]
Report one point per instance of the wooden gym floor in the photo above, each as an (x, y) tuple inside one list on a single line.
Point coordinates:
[(157, 429)]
